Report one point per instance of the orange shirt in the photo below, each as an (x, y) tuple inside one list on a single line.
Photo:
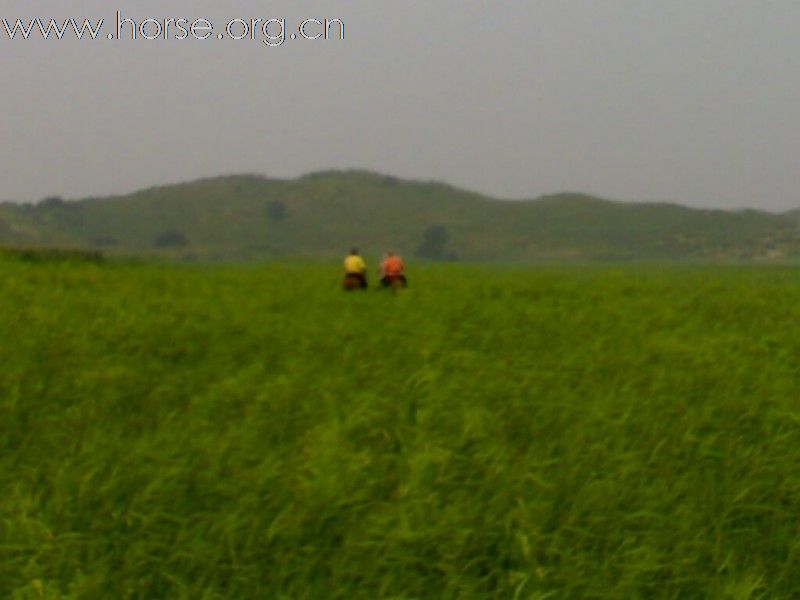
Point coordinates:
[(393, 265)]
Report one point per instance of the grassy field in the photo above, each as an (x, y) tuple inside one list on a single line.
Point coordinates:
[(254, 432)]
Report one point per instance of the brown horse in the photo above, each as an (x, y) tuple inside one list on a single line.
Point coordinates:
[(354, 282), (394, 282)]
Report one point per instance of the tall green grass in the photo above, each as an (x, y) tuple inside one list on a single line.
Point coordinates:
[(254, 432)]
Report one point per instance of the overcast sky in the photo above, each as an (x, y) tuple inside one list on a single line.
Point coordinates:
[(693, 101)]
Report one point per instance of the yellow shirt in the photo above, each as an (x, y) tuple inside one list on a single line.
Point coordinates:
[(354, 264)]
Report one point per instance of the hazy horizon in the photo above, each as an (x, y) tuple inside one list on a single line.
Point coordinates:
[(686, 102), (357, 170)]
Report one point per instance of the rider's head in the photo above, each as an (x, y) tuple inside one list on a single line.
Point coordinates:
[(390, 253), (354, 251)]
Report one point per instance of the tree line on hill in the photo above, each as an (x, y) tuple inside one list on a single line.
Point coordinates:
[(252, 217)]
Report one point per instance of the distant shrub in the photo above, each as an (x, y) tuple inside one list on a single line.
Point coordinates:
[(171, 239), (105, 241), (52, 202), (277, 211), (434, 188), (37, 255), (434, 242)]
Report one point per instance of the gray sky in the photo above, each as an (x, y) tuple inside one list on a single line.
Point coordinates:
[(694, 101)]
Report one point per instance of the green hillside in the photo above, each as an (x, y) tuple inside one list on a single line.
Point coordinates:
[(246, 217)]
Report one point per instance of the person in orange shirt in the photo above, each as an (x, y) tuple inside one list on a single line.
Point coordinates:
[(393, 269)]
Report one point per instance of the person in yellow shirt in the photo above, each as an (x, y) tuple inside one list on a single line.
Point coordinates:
[(355, 271)]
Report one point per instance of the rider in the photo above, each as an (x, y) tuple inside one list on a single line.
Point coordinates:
[(356, 268), (393, 267)]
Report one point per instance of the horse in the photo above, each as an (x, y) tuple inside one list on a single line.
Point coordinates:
[(353, 281), (394, 282)]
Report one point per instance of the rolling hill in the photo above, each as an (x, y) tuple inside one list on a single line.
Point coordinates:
[(320, 215)]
